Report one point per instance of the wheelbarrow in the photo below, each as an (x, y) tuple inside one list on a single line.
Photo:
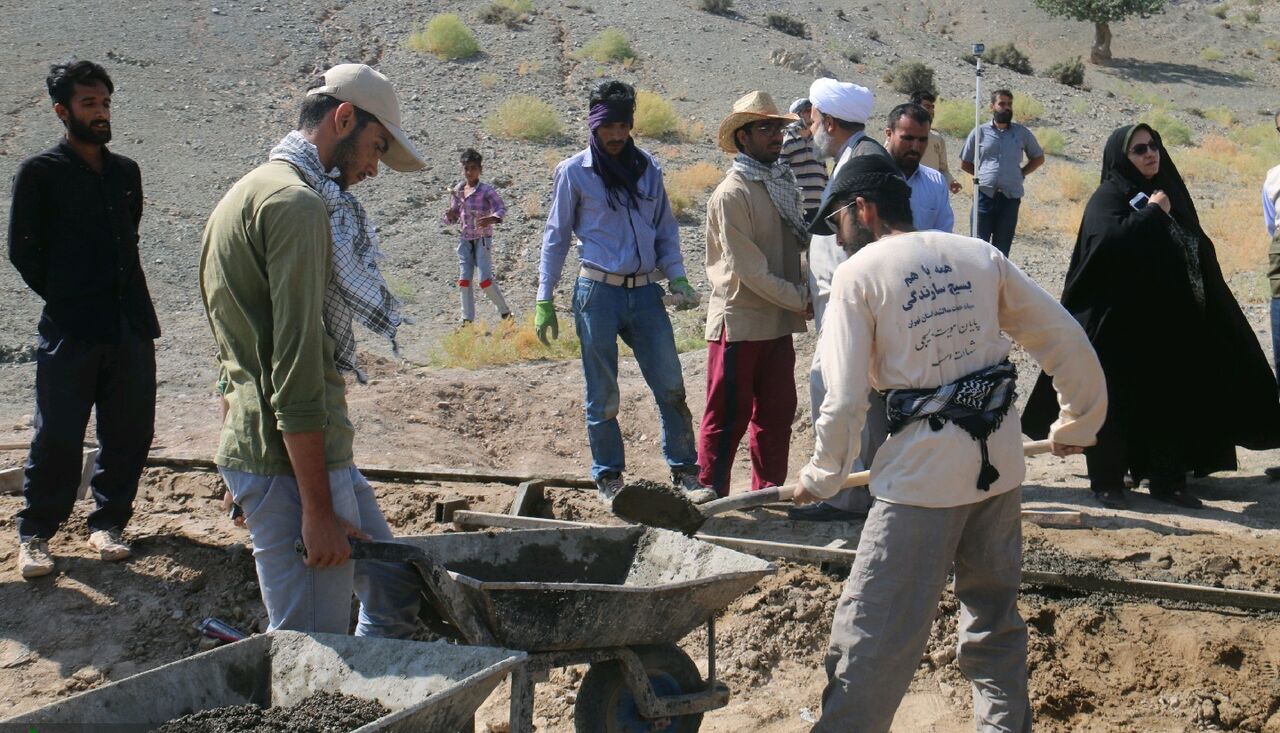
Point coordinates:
[(431, 687), (615, 598)]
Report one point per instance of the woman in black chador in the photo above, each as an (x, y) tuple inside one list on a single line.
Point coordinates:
[(1186, 378)]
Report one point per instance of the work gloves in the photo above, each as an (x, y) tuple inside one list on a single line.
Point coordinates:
[(685, 297), (544, 317)]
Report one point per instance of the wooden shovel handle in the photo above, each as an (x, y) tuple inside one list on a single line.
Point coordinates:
[(861, 478)]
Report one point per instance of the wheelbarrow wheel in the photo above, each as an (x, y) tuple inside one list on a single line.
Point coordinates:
[(606, 705)]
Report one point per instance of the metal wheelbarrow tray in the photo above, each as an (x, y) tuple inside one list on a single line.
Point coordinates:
[(617, 598), (429, 687)]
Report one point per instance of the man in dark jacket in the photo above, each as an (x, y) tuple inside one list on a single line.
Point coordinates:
[(73, 235)]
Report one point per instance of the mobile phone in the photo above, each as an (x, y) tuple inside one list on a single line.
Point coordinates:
[(1139, 202)]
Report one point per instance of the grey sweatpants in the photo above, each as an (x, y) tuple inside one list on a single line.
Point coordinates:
[(882, 622)]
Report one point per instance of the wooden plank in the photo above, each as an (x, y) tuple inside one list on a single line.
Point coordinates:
[(482, 520), (452, 475), (528, 494), (11, 480), (1156, 589), (785, 550)]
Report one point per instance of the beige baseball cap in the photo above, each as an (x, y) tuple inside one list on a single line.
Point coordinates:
[(372, 92)]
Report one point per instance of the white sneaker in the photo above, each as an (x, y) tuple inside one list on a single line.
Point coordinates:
[(110, 544), (34, 559), (695, 490), (607, 487)]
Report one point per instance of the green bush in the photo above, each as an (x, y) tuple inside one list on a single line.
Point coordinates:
[(608, 46), (719, 7), (1069, 72), (447, 37), (523, 117), (911, 76), (1219, 11), (953, 117), (1252, 16), (853, 55), (1211, 54), (1008, 56), (1173, 131), (1051, 140), (787, 24)]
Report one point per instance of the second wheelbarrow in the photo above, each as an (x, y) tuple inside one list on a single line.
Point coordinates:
[(616, 598)]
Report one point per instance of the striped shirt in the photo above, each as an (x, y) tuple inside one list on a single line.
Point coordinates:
[(810, 171), (483, 201)]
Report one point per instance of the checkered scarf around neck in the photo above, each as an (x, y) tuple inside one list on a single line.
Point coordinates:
[(357, 289), (780, 182), (976, 403)]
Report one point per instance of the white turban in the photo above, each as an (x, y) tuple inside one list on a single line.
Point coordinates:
[(842, 100)]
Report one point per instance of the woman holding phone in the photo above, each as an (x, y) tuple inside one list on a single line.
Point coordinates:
[(1187, 381)]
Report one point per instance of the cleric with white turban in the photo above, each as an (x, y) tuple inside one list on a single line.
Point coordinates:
[(843, 100)]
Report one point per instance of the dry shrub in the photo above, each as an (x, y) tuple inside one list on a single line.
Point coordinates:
[(1056, 197), (654, 116), (687, 186), (531, 205), (523, 117), (1232, 223), (1221, 115), (787, 24), (476, 347), (524, 68), (1051, 140), (608, 46), (953, 117), (447, 37), (489, 81), (1026, 108), (1172, 130)]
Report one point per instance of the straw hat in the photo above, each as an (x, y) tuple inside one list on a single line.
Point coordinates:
[(749, 108)]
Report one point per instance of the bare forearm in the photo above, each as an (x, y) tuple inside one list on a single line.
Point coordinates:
[(1032, 165), (306, 454), (966, 166)]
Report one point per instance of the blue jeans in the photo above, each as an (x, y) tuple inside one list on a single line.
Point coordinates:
[(300, 598), (997, 220), (1275, 336), (602, 314)]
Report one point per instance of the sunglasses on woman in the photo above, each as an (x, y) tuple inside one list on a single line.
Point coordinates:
[(1144, 148)]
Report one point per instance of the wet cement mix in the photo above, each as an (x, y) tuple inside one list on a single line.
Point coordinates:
[(321, 712), (657, 505)]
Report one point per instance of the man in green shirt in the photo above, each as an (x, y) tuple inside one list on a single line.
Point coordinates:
[(285, 269)]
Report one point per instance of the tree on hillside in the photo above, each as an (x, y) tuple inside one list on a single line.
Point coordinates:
[(1101, 13)]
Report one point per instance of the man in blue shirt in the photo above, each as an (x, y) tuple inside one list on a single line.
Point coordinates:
[(906, 139), (1001, 170), (611, 196)]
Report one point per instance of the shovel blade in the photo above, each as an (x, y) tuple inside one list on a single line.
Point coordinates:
[(657, 506)]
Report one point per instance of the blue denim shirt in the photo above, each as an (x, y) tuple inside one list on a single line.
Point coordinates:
[(1001, 166), (624, 241), (930, 200)]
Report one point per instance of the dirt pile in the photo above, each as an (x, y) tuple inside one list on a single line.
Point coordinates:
[(321, 712)]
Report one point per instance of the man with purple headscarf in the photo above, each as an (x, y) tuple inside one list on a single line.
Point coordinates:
[(612, 197)]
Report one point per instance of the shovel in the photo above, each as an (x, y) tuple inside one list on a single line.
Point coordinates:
[(671, 509)]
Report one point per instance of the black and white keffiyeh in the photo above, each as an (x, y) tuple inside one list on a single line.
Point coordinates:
[(783, 190), (357, 289), (976, 403)]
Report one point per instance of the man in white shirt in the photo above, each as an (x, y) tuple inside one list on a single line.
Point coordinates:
[(906, 138), (919, 317)]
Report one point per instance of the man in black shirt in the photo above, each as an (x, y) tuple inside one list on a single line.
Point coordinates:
[(73, 236)]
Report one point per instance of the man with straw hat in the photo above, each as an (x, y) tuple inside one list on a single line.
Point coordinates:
[(759, 297)]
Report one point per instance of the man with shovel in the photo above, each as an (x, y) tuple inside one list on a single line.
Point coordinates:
[(287, 264), (918, 316), (759, 297), (611, 195)]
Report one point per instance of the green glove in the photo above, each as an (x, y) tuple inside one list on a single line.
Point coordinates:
[(688, 297), (544, 317)]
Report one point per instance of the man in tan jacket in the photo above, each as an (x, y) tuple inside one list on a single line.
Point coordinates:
[(759, 297)]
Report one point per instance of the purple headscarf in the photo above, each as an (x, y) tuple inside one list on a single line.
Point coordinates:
[(622, 172)]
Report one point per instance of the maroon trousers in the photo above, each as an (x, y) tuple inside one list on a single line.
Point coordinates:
[(749, 384)]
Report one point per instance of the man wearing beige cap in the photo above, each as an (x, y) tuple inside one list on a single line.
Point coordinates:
[(289, 261), (755, 231)]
